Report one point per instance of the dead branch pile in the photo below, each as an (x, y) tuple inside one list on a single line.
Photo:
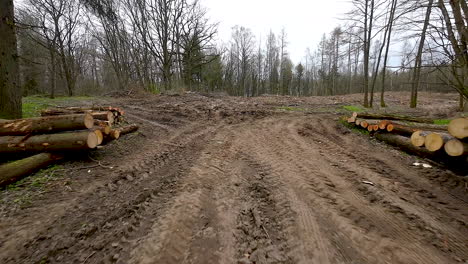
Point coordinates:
[(417, 135), (58, 132)]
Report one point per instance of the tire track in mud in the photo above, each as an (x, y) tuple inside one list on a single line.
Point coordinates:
[(105, 219), (327, 179)]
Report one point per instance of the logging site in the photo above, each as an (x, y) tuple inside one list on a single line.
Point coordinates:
[(245, 132)]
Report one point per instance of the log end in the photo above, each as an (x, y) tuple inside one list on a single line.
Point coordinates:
[(455, 148), (459, 128), (88, 120), (434, 142), (417, 139), (99, 135), (92, 140)]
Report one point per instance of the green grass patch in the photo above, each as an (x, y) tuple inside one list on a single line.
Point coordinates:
[(354, 128), (291, 109), (442, 121), (37, 180), (353, 108), (32, 105)]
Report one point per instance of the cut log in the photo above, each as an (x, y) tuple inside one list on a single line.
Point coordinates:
[(47, 124), (405, 144), (128, 129), (436, 141), (418, 138), (459, 128), (456, 148), (115, 134), (49, 143), (358, 122), (105, 116), (383, 124), (364, 124), (351, 120), (99, 134), (14, 171), (393, 117), (401, 130)]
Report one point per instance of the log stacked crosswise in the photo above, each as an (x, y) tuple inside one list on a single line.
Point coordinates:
[(57, 132), (418, 135)]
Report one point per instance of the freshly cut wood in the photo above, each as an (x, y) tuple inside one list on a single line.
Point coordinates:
[(459, 128), (401, 130), (14, 171), (128, 129), (358, 122), (49, 143), (393, 117), (456, 148), (351, 120), (405, 144), (436, 141), (46, 124), (106, 116), (364, 124), (105, 126), (375, 127), (99, 135), (383, 124), (115, 134), (418, 138)]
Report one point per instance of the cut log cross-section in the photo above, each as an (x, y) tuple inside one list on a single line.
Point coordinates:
[(436, 141), (49, 143), (46, 124), (459, 128), (14, 171), (418, 138), (456, 148)]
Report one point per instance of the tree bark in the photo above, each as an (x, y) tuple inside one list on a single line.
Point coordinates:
[(49, 143), (46, 124), (128, 129), (393, 117), (417, 66), (404, 143), (14, 171), (10, 90)]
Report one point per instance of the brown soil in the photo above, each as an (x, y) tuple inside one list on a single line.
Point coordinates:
[(231, 180)]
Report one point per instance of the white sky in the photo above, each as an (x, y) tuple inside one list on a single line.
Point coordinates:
[(305, 21)]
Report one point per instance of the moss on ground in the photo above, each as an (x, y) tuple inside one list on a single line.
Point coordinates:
[(32, 105), (354, 108)]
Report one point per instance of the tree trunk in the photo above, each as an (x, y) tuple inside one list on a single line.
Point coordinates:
[(389, 37), (436, 141), (393, 117), (14, 171), (456, 148), (10, 90), (46, 124), (49, 143), (417, 66)]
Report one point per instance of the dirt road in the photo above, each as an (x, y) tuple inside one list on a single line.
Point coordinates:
[(224, 183)]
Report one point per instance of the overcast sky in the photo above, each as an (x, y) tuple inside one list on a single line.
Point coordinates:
[(305, 21)]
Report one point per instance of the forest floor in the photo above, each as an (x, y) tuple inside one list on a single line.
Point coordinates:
[(217, 179)]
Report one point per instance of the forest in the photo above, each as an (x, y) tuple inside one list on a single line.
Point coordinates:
[(76, 47)]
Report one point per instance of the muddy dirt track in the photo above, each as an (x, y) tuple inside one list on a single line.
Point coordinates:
[(229, 181)]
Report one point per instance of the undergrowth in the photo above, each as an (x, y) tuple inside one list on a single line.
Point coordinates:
[(353, 108), (32, 105)]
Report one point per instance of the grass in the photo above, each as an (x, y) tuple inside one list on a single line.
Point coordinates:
[(354, 128), (353, 108), (38, 180), (291, 109), (442, 121), (32, 105)]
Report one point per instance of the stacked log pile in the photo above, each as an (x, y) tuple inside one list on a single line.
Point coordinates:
[(54, 135), (417, 135)]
